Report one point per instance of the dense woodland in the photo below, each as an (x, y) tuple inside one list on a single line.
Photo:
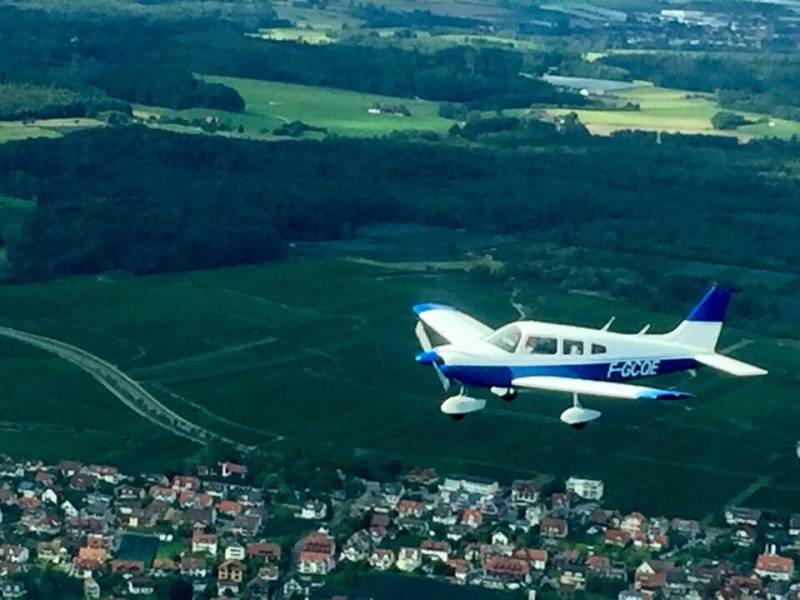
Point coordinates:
[(148, 201), (151, 62)]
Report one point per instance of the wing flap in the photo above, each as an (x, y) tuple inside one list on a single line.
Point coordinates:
[(729, 365), (453, 325), (608, 389)]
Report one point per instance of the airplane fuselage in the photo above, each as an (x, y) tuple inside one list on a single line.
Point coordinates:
[(564, 351)]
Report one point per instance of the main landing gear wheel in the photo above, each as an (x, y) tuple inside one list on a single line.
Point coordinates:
[(458, 417), (578, 417)]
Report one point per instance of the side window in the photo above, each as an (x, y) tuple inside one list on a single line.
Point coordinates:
[(598, 349), (573, 347), (541, 345)]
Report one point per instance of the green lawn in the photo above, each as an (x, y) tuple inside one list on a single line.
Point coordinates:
[(673, 110), (269, 104), (320, 351)]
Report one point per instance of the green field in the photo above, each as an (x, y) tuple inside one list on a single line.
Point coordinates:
[(670, 110), (11, 131), (341, 112), (320, 351)]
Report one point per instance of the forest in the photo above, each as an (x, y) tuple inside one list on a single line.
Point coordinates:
[(149, 201), (152, 62)]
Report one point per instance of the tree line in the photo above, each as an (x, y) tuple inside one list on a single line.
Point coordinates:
[(151, 201)]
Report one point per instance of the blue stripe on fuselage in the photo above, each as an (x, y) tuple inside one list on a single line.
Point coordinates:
[(501, 376)]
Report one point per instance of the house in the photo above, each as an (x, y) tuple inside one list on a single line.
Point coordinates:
[(736, 515), (687, 527), (12, 589), (234, 551), (317, 554), (774, 567), (554, 528), (52, 551), (420, 476), (435, 550), (381, 559), (651, 575), (204, 543), (744, 535), (534, 514), (14, 553), (472, 518), (505, 569), (229, 577), (617, 537), (572, 576), (588, 489), (313, 510), (794, 525), (471, 485), (268, 551), (232, 470), (537, 559), (525, 491), (410, 508), (141, 586), (192, 566), (358, 546), (633, 523), (409, 559)]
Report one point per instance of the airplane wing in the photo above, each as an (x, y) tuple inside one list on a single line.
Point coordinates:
[(589, 387), (729, 365), (454, 326)]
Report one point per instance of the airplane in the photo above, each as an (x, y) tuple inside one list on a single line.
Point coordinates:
[(534, 355)]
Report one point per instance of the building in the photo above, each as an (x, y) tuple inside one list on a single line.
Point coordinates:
[(774, 567), (409, 559), (588, 489)]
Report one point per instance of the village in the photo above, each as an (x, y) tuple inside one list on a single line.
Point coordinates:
[(120, 535)]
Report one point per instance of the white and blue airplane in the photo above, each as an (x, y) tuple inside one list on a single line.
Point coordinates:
[(533, 355)]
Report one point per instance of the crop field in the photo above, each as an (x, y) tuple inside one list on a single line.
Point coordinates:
[(270, 104), (671, 110), (317, 352)]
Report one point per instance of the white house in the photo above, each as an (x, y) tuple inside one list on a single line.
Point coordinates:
[(589, 489), (409, 559)]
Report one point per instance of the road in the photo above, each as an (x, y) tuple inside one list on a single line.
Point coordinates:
[(125, 389)]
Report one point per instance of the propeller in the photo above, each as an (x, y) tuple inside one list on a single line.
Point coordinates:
[(425, 342)]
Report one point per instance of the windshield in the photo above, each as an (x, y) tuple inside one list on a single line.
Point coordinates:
[(506, 338)]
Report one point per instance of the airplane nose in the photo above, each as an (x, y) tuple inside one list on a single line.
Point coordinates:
[(429, 358)]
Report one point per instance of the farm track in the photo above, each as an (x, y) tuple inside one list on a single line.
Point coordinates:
[(125, 389)]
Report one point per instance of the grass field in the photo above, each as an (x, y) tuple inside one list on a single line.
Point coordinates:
[(319, 350), (341, 112), (11, 131), (672, 110), (296, 34)]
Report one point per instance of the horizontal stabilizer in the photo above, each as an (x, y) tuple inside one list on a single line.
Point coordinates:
[(729, 365), (454, 326), (589, 387)]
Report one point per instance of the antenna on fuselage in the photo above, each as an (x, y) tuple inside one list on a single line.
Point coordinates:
[(608, 324), (644, 329)]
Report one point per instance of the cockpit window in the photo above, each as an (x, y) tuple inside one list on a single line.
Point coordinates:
[(573, 347), (541, 345), (506, 338)]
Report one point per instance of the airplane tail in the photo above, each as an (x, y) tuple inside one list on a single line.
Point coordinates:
[(702, 326)]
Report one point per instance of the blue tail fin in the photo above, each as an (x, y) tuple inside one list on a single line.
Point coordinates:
[(702, 327), (713, 306)]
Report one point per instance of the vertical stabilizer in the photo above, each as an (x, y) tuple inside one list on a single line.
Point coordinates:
[(702, 326)]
